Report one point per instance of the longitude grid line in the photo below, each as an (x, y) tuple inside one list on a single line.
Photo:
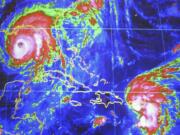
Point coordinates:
[(162, 34), (60, 94), (112, 64), (112, 60), (61, 125), (6, 112)]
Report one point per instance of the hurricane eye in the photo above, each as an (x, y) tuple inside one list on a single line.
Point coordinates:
[(23, 46), (20, 44)]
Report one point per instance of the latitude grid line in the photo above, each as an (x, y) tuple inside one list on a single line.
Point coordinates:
[(80, 92), (104, 28)]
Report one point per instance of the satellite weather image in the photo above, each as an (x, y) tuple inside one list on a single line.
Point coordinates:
[(89, 67)]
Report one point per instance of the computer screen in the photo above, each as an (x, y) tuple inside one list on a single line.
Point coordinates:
[(89, 67)]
